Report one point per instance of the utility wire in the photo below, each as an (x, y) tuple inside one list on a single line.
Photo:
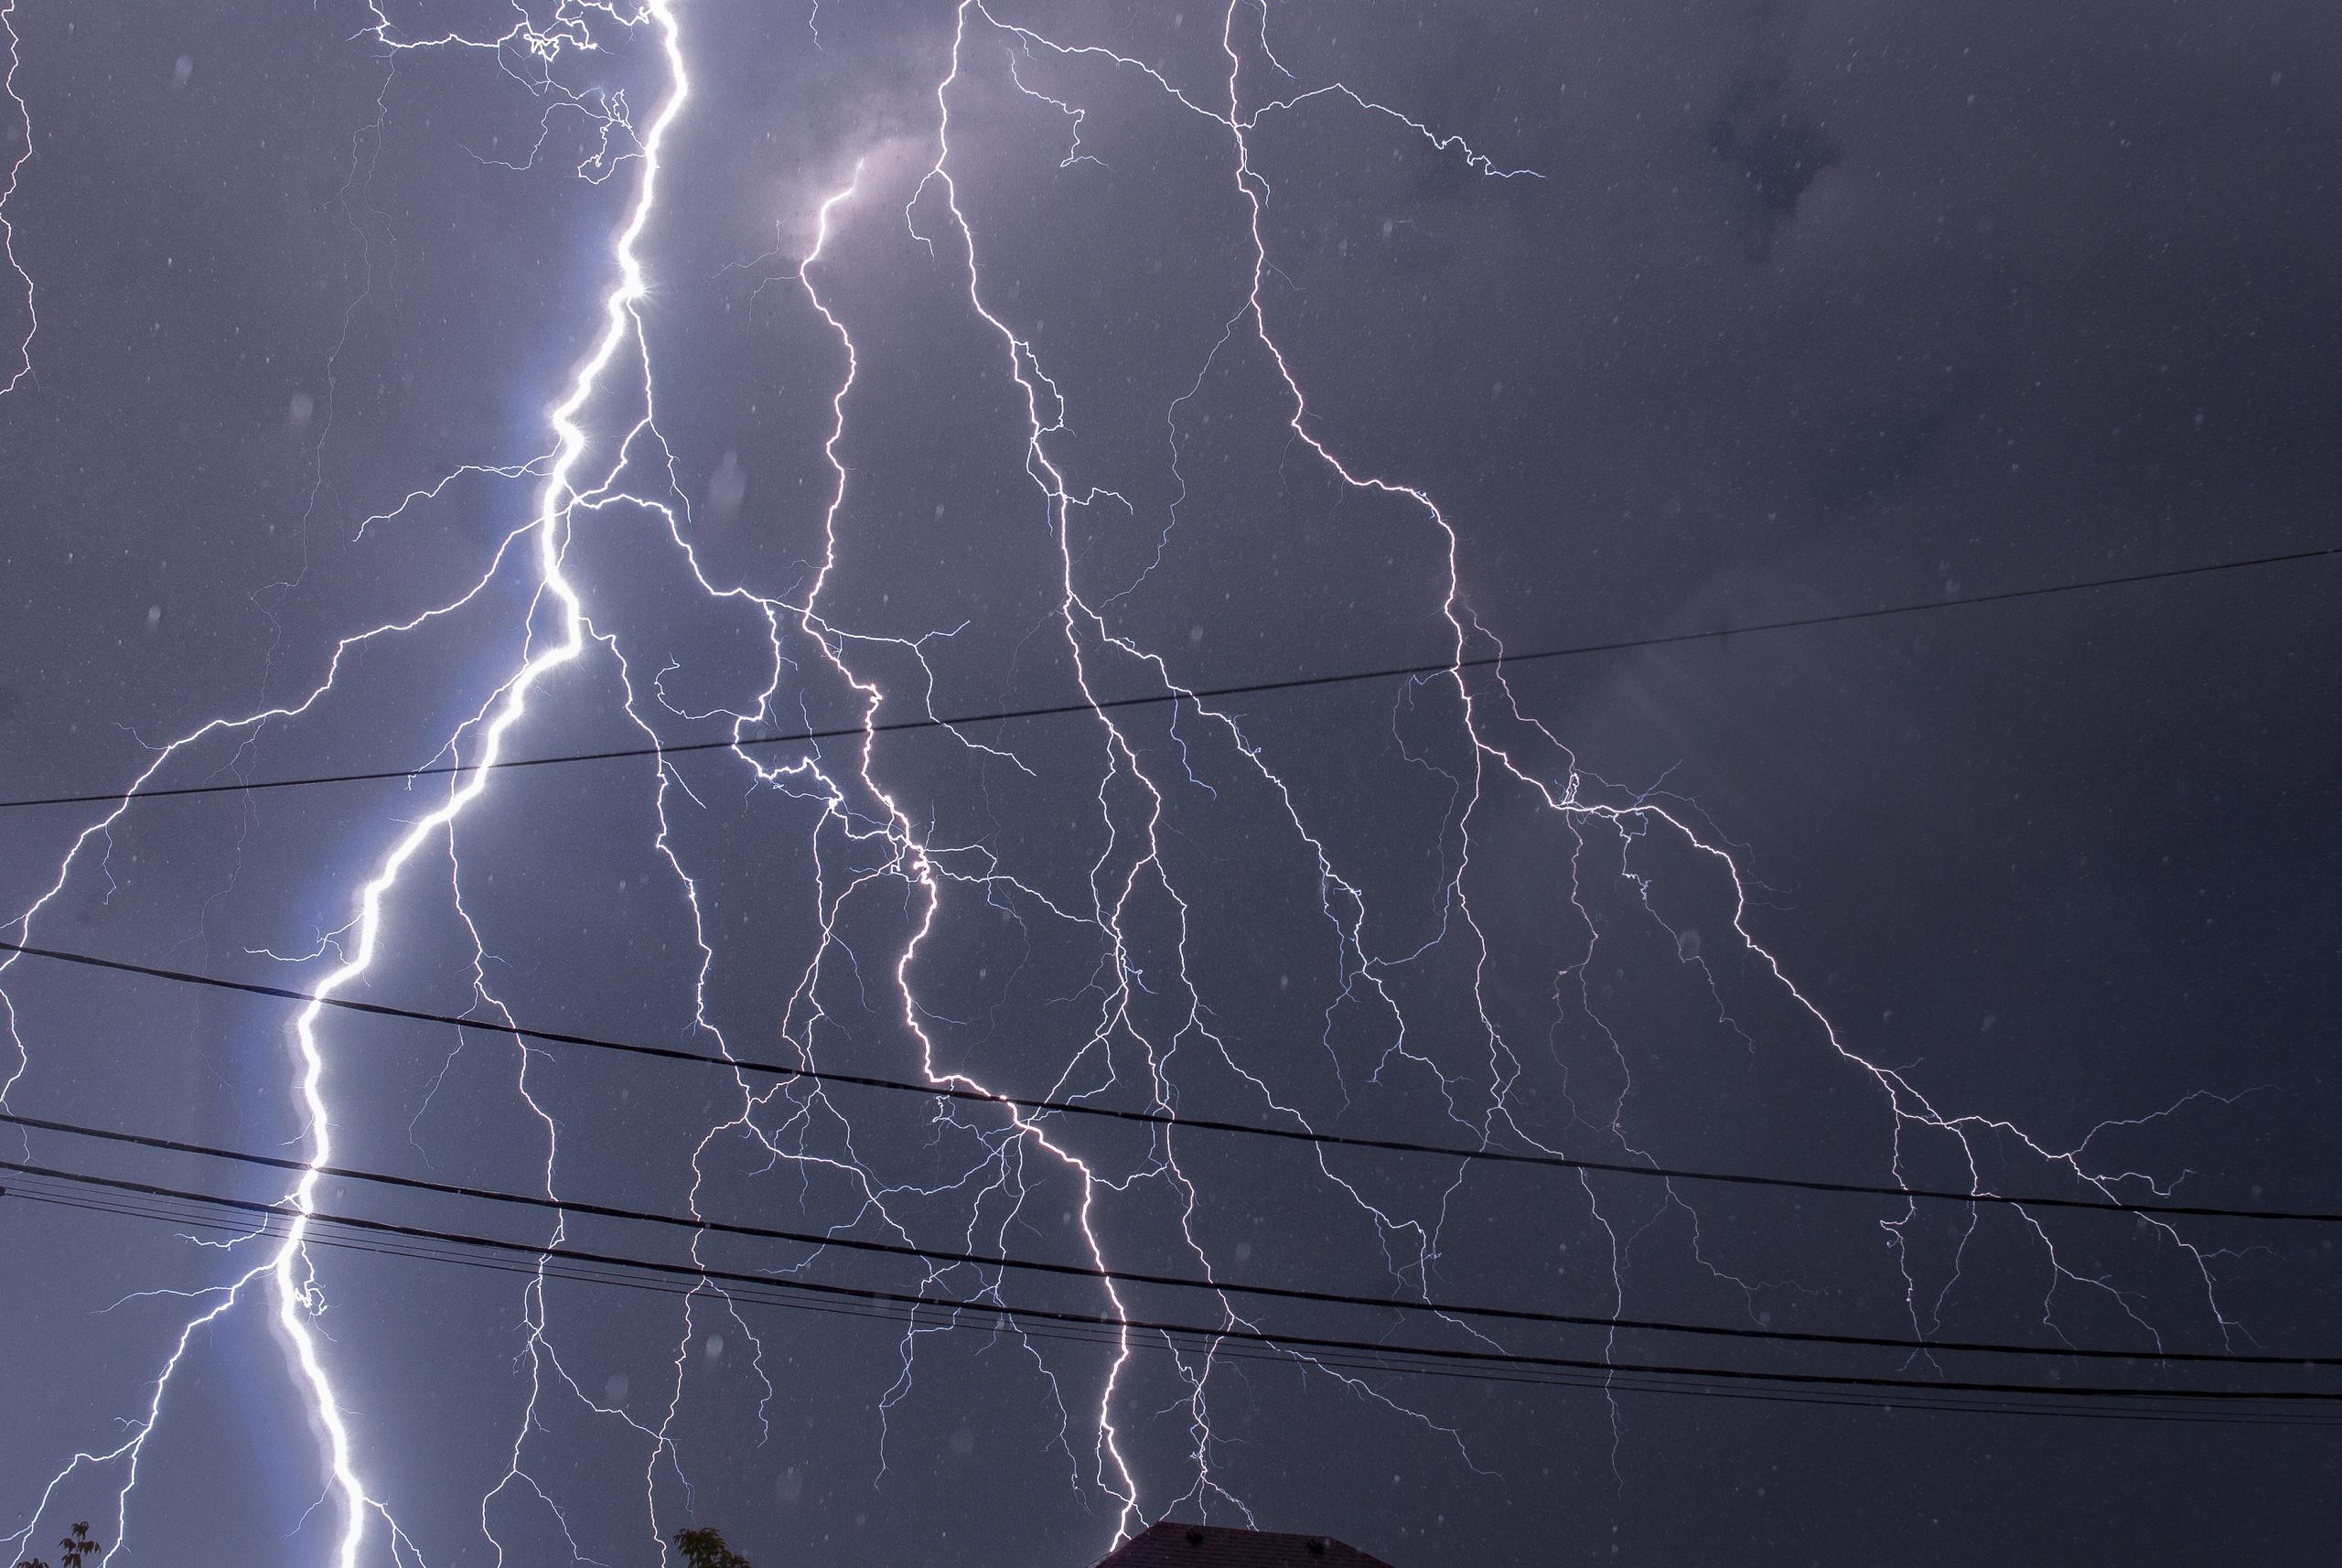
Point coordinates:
[(819, 1240), (1008, 1312), (456, 1258), (1198, 694), (323, 1236), (1163, 1119)]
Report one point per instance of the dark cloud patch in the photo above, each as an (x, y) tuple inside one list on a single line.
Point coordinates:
[(1778, 151)]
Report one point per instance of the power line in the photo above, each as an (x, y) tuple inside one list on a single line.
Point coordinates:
[(1204, 694), (1008, 1312), (1948, 1404), (1163, 1119), (821, 1240)]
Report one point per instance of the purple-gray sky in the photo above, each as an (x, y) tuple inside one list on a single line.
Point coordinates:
[(1681, 315)]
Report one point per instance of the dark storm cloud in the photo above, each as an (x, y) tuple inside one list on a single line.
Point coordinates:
[(1779, 152)]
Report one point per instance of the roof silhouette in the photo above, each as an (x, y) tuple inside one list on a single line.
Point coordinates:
[(1169, 1545)]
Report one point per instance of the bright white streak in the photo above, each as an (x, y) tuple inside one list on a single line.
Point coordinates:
[(295, 1296), (7, 193)]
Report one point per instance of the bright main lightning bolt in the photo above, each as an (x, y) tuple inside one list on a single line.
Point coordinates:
[(868, 843), (296, 1296)]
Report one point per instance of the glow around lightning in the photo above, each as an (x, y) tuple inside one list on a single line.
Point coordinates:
[(872, 844)]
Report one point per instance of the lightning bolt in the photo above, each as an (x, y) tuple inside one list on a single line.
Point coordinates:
[(293, 1287), (24, 366), (884, 873)]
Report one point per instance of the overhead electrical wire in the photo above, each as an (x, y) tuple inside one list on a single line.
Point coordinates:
[(1007, 1311), (953, 1258), (1197, 695), (784, 1070), (551, 1268), (411, 1239)]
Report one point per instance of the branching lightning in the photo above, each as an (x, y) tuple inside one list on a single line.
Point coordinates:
[(22, 155), (1149, 1023)]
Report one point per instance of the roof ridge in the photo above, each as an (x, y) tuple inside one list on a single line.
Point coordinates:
[(1171, 1543)]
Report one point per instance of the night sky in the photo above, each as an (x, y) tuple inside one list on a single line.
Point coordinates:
[(343, 442)]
